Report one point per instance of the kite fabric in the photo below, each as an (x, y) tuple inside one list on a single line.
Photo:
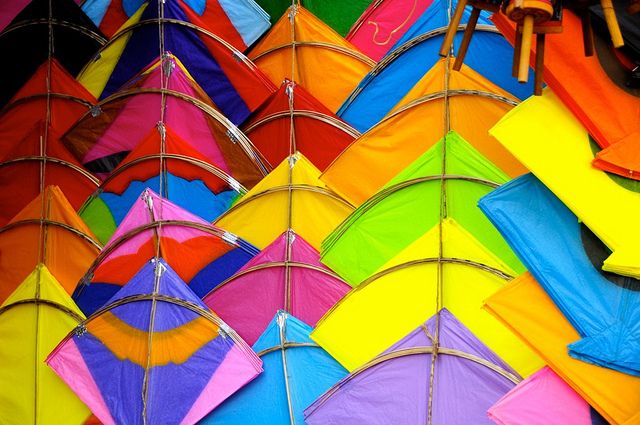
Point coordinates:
[(525, 308), (543, 399), (410, 205), (46, 231), (288, 275), (417, 125), (609, 113), (603, 308), (317, 132), (559, 154), (33, 320), (383, 23), (233, 83), (201, 255), (238, 22), (262, 214), (394, 388), (319, 52), (405, 289), (415, 54), (296, 372), (175, 361), (31, 152)]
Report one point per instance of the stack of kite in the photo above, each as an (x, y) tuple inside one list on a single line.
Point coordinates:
[(289, 212)]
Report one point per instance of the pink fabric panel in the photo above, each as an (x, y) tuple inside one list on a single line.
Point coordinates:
[(313, 293), (68, 363), (385, 25), (234, 373), (541, 399)]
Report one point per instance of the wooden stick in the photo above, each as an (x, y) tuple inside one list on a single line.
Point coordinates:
[(525, 49), (466, 40), (587, 32), (612, 23), (516, 51), (453, 28), (539, 76)]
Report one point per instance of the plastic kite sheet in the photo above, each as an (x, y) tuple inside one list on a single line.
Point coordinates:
[(238, 22), (31, 146), (292, 190), (296, 372), (112, 129), (232, 82), (45, 231), (609, 113), (201, 255), (317, 132), (33, 320), (415, 54), (175, 361), (26, 41), (383, 23), (417, 124), (319, 52), (559, 154), (409, 205), (394, 300), (604, 308), (526, 309), (543, 399), (407, 385), (287, 274)]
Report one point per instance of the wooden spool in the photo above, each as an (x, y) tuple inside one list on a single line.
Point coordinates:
[(581, 8), (527, 13), (478, 6), (634, 7), (453, 28)]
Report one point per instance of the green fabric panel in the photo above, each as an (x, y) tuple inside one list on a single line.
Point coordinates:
[(629, 184), (338, 14), (376, 232), (99, 219)]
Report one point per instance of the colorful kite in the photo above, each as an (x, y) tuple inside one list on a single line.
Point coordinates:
[(33, 320), (603, 308), (199, 253), (290, 197), (415, 54), (232, 82), (543, 399), (524, 307), (472, 106), (46, 231), (296, 372), (174, 360), (319, 134), (287, 275), (301, 43), (589, 193), (417, 381)]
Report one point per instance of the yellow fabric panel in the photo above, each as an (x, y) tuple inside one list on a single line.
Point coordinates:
[(260, 219), (399, 139), (376, 314), (313, 63), (30, 392), (95, 75), (531, 314), (171, 346), (20, 247), (558, 153)]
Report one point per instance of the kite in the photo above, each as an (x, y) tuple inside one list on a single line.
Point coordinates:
[(565, 168), (201, 255), (287, 275), (296, 372), (439, 373), (174, 360)]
